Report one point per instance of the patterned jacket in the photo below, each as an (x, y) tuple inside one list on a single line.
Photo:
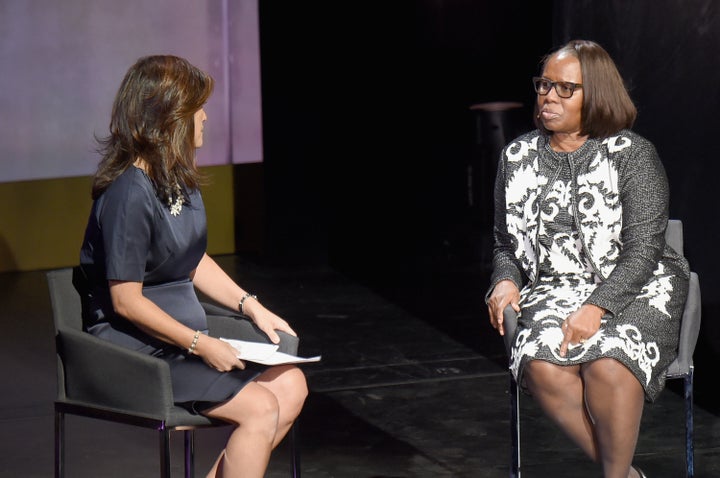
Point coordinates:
[(620, 198)]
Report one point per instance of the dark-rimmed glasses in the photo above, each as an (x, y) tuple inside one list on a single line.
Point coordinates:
[(564, 89)]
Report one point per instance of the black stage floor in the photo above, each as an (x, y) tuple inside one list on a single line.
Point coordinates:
[(412, 384)]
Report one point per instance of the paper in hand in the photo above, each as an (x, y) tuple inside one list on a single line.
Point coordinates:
[(265, 354)]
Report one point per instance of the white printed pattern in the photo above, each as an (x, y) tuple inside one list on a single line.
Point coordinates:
[(599, 208)]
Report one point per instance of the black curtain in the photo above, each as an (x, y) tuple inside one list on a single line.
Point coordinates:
[(367, 122)]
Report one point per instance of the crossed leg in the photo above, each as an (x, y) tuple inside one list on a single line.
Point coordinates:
[(262, 412)]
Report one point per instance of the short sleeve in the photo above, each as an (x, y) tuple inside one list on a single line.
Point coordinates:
[(125, 221)]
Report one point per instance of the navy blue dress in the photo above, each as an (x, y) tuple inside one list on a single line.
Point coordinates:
[(132, 236)]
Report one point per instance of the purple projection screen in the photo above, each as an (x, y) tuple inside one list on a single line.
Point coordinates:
[(62, 62)]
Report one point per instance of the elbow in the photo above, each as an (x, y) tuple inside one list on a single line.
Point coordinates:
[(129, 303), (120, 307), (125, 298)]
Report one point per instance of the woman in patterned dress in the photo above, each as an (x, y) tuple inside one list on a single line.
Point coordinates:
[(581, 207)]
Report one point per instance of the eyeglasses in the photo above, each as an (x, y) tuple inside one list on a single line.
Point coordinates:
[(564, 89)]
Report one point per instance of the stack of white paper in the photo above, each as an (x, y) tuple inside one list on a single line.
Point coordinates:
[(266, 354)]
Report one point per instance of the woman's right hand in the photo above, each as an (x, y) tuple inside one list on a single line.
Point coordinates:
[(505, 292), (218, 354)]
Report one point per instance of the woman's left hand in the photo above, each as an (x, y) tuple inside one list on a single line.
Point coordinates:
[(580, 326), (266, 320)]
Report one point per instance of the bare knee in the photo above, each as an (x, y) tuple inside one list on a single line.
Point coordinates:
[(253, 407), (289, 385), (265, 408), (296, 388)]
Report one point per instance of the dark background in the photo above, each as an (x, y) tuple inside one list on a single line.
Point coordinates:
[(369, 132)]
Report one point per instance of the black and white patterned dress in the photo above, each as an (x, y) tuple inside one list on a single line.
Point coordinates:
[(588, 227)]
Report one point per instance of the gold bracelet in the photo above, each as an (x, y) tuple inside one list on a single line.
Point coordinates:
[(191, 349), (247, 296)]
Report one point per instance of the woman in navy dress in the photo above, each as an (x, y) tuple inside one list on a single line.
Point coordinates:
[(143, 255)]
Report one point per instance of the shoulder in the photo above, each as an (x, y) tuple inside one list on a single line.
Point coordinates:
[(131, 192), (531, 139), (523, 147), (528, 137), (631, 141), (634, 155), (131, 183)]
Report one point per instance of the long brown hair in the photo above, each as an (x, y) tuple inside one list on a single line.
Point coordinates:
[(152, 119), (607, 107)]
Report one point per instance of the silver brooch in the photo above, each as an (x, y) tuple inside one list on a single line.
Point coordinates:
[(176, 207)]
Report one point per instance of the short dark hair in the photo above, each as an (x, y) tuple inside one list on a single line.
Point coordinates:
[(607, 107)]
